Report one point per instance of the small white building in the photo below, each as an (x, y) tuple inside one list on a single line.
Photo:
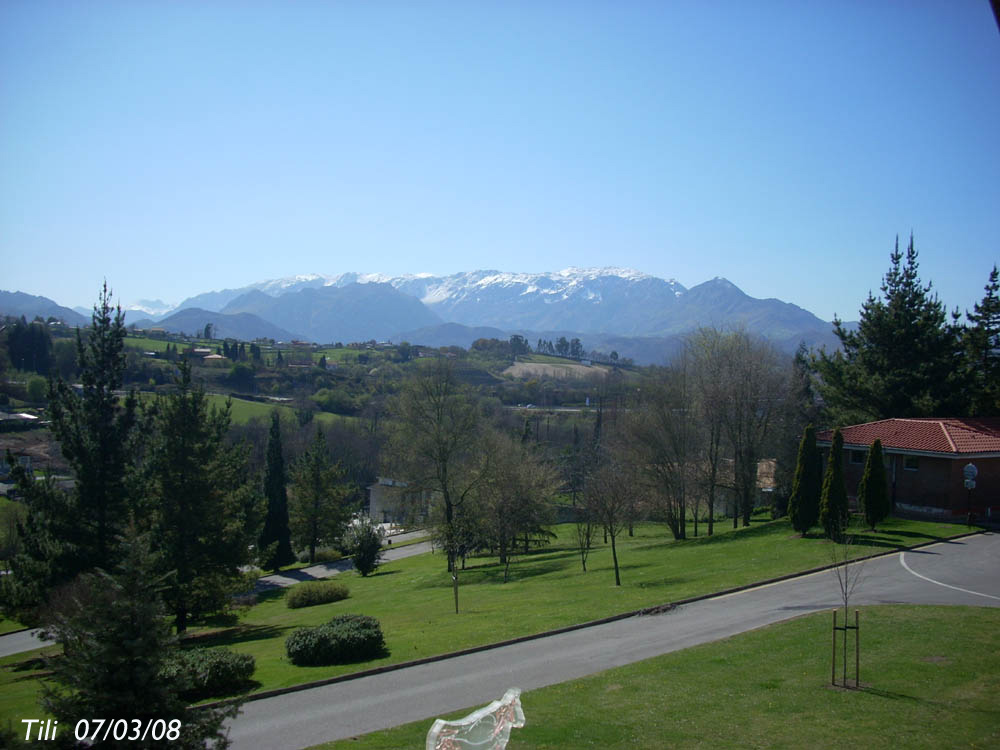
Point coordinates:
[(390, 501)]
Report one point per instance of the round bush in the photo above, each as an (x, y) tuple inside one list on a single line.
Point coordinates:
[(345, 639), (315, 592), (204, 672)]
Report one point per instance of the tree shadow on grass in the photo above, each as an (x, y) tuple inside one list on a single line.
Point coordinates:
[(379, 573), (730, 535), (922, 537), (864, 540), (890, 694), (234, 635), (270, 594), (28, 665)]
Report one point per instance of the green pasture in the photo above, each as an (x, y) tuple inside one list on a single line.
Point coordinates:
[(146, 344), (930, 679), (243, 410)]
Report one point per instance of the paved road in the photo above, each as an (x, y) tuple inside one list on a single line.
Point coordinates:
[(966, 571), (27, 640), (328, 570)]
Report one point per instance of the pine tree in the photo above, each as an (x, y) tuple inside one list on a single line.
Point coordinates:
[(833, 511), (903, 359), (276, 540), (68, 533), (982, 349), (316, 512), (803, 505), (873, 494), (116, 640), (204, 514)]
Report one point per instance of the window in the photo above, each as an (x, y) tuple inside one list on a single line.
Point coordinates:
[(911, 463), (858, 457)]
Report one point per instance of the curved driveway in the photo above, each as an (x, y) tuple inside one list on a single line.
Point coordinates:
[(965, 571)]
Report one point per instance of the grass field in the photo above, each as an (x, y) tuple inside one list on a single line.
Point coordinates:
[(412, 598), (243, 410), (147, 344), (930, 679)]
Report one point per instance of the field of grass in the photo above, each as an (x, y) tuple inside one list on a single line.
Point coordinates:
[(412, 598), (930, 679), (147, 344)]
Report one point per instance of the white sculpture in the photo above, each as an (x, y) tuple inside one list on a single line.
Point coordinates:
[(488, 727)]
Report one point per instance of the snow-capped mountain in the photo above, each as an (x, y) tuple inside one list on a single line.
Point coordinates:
[(618, 300), (633, 312)]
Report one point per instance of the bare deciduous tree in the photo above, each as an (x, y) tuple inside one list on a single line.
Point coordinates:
[(434, 445), (512, 496), (756, 377), (609, 498), (662, 444)]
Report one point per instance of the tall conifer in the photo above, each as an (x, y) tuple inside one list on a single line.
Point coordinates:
[(873, 494), (833, 512), (276, 539), (803, 505)]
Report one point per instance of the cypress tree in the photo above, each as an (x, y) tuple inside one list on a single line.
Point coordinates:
[(276, 539), (833, 512), (873, 494), (803, 505)]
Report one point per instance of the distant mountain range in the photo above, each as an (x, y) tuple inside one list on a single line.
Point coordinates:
[(638, 315)]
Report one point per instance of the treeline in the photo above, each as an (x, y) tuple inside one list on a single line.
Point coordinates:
[(909, 357)]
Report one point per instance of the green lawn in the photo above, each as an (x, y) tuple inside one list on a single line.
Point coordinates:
[(412, 598), (9, 626), (930, 679)]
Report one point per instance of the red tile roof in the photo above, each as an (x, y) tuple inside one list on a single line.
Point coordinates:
[(955, 436)]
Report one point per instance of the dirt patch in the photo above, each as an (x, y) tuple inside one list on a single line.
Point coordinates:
[(39, 444), (565, 371)]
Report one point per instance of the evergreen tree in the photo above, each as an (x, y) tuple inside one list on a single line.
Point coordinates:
[(116, 640), (803, 505), (873, 494), (317, 513), (68, 533), (833, 511), (982, 349), (276, 540), (204, 514), (903, 359)]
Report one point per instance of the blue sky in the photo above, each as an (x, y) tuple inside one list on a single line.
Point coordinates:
[(178, 147)]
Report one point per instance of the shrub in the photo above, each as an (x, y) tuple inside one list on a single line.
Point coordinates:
[(323, 555), (205, 672), (37, 388), (315, 592), (346, 638), (364, 540)]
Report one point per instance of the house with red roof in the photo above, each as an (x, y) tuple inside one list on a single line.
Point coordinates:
[(925, 463)]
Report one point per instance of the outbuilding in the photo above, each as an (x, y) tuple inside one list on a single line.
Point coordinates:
[(927, 463)]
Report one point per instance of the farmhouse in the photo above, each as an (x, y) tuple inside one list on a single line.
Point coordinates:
[(925, 463)]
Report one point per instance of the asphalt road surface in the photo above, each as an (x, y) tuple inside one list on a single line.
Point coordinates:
[(965, 571)]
